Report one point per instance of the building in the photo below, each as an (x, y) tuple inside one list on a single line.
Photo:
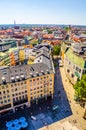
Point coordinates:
[(25, 84), (5, 44), (74, 58)]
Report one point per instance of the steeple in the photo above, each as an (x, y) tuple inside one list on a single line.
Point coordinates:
[(14, 22)]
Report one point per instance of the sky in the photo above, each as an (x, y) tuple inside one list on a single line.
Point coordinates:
[(43, 12)]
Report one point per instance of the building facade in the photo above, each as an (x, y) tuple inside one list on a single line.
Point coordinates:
[(24, 84), (75, 61)]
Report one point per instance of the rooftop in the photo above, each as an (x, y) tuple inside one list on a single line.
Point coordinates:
[(76, 59)]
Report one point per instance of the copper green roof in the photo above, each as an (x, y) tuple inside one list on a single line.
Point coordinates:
[(79, 61)]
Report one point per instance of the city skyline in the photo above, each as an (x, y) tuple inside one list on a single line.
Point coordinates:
[(43, 12)]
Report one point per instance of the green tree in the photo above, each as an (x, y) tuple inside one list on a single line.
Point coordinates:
[(49, 31), (56, 50), (80, 87)]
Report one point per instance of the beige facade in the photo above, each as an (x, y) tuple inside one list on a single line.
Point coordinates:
[(40, 87), (18, 93)]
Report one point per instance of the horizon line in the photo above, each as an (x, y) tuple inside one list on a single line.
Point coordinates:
[(41, 24)]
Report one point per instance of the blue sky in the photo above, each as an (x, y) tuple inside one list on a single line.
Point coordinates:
[(43, 12)]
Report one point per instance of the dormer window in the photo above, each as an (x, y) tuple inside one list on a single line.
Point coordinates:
[(47, 71), (12, 79), (22, 76), (31, 74), (17, 77), (37, 73), (3, 80), (42, 71)]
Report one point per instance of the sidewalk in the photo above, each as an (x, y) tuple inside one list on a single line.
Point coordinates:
[(76, 108), (75, 121)]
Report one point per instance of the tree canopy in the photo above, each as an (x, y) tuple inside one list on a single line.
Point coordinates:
[(56, 50), (80, 87)]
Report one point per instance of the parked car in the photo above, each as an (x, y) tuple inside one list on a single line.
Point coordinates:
[(34, 118)]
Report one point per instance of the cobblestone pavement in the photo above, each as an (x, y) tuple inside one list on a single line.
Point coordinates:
[(76, 119), (77, 110)]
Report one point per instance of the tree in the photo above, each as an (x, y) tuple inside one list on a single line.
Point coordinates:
[(56, 50), (80, 87)]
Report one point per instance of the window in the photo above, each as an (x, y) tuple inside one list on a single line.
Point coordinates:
[(1, 102), (4, 96), (24, 82), (6, 86), (0, 98), (5, 101), (41, 95), (8, 96), (72, 75), (31, 98), (7, 91), (50, 92), (23, 96), (15, 89), (68, 70), (8, 100), (13, 99), (79, 70), (4, 92), (25, 91), (33, 79), (11, 85), (21, 83), (16, 98)]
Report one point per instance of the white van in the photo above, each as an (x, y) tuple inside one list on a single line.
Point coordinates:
[(34, 118)]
